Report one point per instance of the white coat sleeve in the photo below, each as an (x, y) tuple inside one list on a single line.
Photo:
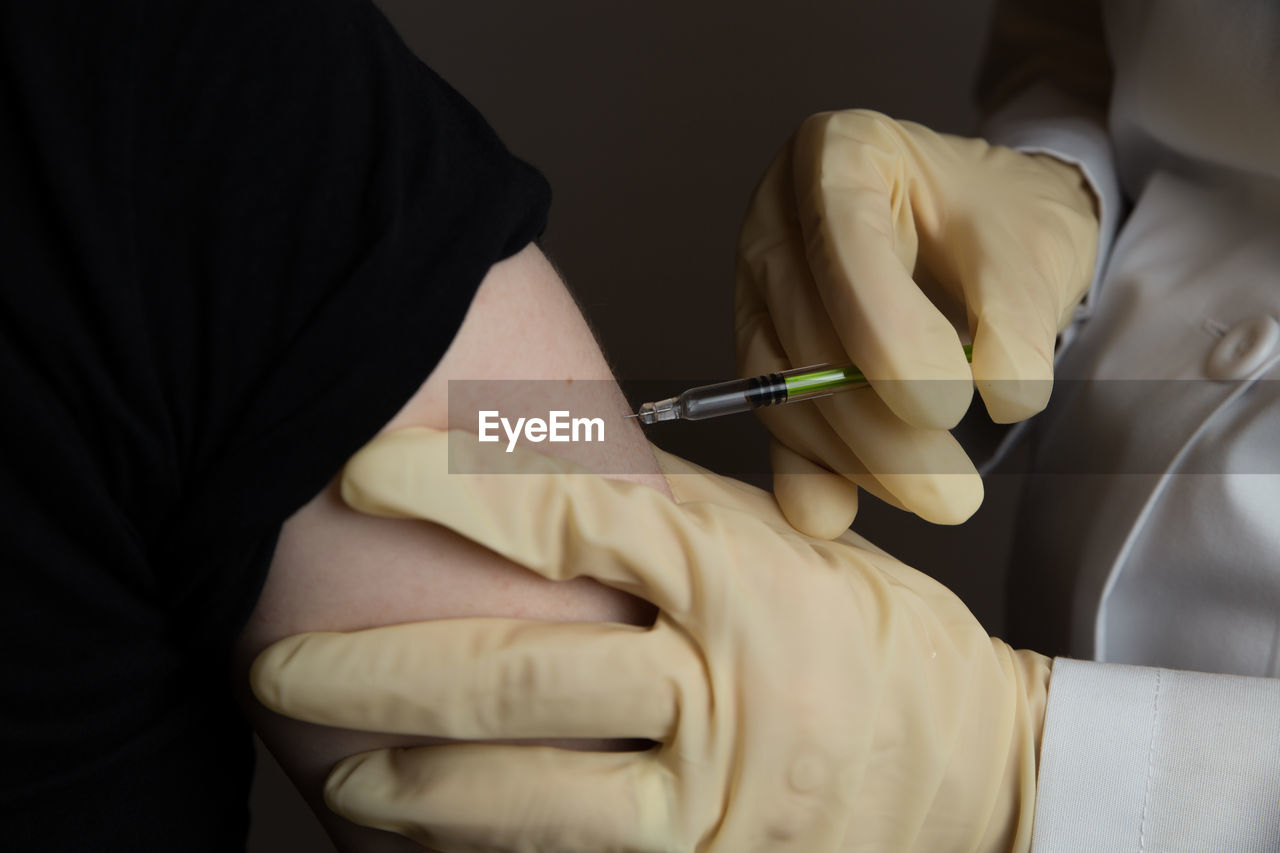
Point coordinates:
[(1145, 759)]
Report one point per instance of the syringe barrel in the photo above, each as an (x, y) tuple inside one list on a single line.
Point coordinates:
[(723, 398), (787, 386)]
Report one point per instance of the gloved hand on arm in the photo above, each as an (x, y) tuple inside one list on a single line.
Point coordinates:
[(869, 240), (803, 694)]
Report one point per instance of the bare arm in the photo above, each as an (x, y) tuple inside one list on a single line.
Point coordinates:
[(335, 569)]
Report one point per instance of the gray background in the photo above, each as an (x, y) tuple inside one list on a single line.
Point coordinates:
[(653, 121)]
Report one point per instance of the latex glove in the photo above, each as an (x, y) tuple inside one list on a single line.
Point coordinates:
[(804, 694), (871, 240)]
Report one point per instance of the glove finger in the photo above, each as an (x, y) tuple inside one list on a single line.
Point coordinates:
[(1021, 281), (855, 435), (802, 427), (1015, 317), (804, 430), (926, 470), (479, 797), (775, 296), (814, 500), (856, 214), (549, 515), (482, 679)]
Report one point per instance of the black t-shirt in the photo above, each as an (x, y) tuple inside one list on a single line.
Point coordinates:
[(234, 238)]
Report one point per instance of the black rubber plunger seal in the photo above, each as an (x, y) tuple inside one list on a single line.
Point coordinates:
[(767, 390)]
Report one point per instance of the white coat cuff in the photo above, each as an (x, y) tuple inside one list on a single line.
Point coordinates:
[(1044, 121), (1145, 759)]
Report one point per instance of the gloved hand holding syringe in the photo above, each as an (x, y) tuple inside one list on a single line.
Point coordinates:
[(771, 389), (887, 244)]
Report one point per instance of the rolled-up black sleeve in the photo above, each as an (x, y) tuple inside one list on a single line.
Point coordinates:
[(237, 236)]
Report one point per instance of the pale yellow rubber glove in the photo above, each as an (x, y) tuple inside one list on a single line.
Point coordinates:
[(870, 240), (805, 695)]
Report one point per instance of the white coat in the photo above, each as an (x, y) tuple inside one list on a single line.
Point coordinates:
[(1150, 529), (1159, 508)]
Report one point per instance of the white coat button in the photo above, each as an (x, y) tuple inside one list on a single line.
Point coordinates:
[(1243, 348)]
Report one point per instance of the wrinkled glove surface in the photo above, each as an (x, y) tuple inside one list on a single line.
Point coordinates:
[(804, 695)]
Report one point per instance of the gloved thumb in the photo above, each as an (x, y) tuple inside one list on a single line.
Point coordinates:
[(817, 502)]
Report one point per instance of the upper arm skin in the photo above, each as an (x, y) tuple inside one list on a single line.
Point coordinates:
[(335, 569)]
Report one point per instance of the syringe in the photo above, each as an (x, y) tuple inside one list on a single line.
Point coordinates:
[(771, 389)]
